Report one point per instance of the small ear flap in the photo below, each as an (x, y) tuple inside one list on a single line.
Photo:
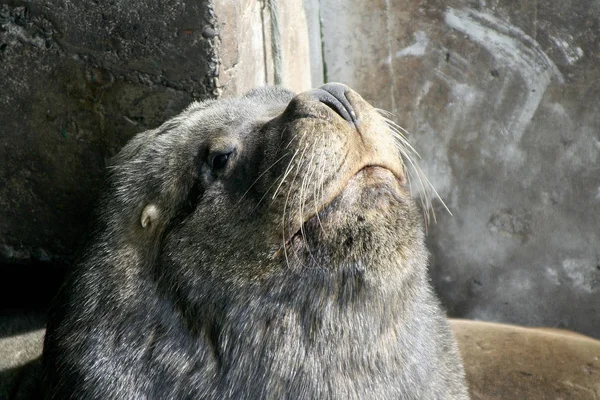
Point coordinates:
[(150, 214)]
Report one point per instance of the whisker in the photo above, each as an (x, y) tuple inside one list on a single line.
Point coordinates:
[(400, 136), (405, 148), (285, 174), (397, 126), (290, 142), (281, 134), (384, 113), (283, 225), (266, 193), (424, 194), (260, 176), (319, 188), (300, 164), (312, 173), (303, 188)]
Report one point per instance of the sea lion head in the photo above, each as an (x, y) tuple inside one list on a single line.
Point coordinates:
[(261, 246), (240, 191)]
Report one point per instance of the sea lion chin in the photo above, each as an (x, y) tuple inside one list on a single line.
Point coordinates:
[(258, 247)]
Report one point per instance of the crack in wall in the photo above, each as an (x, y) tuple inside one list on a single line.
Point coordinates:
[(322, 42), (276, 42)]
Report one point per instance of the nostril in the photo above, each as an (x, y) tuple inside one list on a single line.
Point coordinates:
[(338, 91), (333, 95)]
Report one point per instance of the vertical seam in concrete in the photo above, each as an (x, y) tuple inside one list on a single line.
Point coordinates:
[(322, 37), (389, 50), (264, 39), (216, 55), (535, 19), (276, 42)]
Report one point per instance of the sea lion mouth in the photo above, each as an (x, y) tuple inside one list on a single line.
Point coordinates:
[(380, 177)]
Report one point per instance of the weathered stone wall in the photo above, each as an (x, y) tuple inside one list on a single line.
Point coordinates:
[(503, 102), (263, 43), (78, 79)]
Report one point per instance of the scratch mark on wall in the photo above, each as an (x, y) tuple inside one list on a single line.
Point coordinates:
[(571, 52), (578, 271), (514, 50), (389, 54), (422, 93), (418, 48)]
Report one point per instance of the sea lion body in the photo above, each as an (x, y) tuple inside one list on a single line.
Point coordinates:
[(258, 247)]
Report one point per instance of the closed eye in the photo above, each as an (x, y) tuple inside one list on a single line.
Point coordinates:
[(219, 161)]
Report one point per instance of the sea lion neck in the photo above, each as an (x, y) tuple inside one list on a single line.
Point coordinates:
[(326, 344)]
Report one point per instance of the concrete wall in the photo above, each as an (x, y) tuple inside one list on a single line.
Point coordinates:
[(262, 43), (503, 102), (78, 79)]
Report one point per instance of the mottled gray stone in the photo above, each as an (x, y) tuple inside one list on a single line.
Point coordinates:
[(255, 37), (78, 79), (503, 102), (20, 355)]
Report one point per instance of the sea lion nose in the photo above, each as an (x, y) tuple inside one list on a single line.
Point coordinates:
[(334, 96)]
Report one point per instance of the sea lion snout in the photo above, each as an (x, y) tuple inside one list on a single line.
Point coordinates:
[(334, 116)]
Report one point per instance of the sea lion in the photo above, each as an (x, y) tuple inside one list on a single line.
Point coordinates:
[(258, 247)]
